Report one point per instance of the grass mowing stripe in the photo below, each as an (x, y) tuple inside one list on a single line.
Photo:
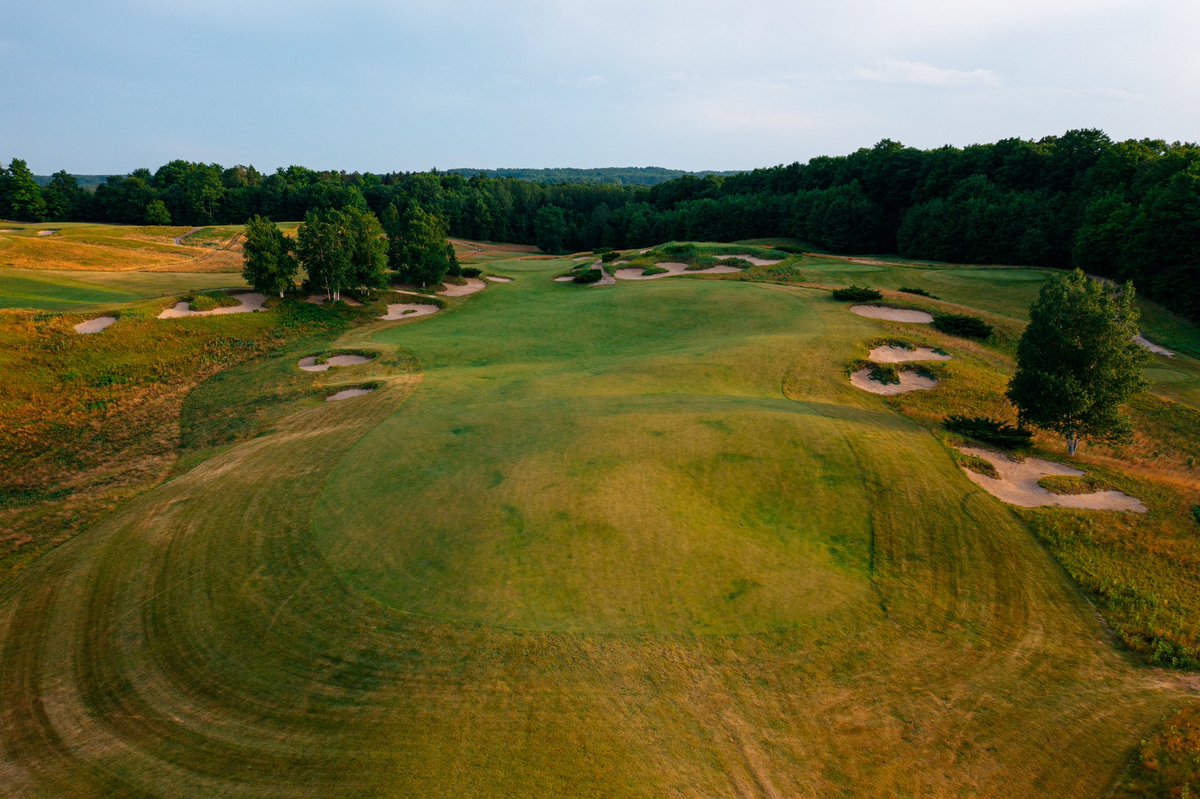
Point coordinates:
[(239, 631)]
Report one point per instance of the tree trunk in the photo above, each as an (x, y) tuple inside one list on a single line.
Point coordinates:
[(1072, 443)]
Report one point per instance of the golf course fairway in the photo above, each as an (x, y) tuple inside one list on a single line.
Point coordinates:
[(641, 540)]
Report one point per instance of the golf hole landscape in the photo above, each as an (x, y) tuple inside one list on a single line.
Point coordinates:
[(352, 506)]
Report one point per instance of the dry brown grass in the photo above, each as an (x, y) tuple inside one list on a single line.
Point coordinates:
[(123, 249)]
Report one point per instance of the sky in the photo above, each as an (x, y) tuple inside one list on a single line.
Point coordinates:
[(368, 85)]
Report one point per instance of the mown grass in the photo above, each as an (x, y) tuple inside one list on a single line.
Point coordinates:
[(57, 290), (645, 541)]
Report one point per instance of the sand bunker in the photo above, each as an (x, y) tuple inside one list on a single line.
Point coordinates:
[(94, 325), (9, 230), (46, 232), (754, 260), (890, 354), (1018, 484), (498, 279), (347, 394), (473, 285), (250, 301), (673, 269), (565, 279), (892, 314), (1150, 346), (320, 299), (909, 381), (311, 365), (408, 310)]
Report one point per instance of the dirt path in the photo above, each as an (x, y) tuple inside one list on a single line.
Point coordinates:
[(192, 232)]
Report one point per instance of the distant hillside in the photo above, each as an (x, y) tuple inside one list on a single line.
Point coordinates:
[(616, 176), (86, 182)]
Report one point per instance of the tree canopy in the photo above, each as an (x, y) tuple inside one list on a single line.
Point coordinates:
[(1127, 210), (417, 245), (1078, 362), (268, 264), (20, 196), (323, 252)]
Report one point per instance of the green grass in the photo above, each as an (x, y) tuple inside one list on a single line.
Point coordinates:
[(633, 541), (74, 290)]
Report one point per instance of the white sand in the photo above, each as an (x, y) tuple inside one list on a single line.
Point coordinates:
[(890, 354), (909, 381), (473, 285), (498, 279), (409, 310), (1018, 484), (752, 259), (565, 279), (9, 230), (673, 270), (1157, 349), (892, 314), (94, 325), (348, 393), (310, 364), (46, 232), (250, 301)]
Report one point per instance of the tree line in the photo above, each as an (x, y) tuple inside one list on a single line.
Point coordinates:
[(349, 248), (1127, 210)]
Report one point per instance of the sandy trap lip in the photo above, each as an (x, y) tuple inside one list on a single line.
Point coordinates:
[(1018, 484), (408, 310), (310, 363), (909, 381), (893, 314), (890, 354), (673, 269), (473, 285), (94, 325), (348, 393), (250, 301)]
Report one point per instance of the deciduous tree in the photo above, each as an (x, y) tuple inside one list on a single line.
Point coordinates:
[(1077, 362), (20, 195), (323, 252), (418, 247), (268, 264), (368, 249)]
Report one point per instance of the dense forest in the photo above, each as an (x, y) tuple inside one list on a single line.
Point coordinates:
[(617, 176), (1125, 210)]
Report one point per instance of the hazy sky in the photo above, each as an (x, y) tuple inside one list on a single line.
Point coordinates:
[(369, 85)]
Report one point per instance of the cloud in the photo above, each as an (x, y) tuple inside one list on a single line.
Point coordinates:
[(1111, 93), (589, 82), (916, 73)]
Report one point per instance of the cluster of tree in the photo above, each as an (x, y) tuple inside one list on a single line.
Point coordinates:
[(618, 176), (348, 248), (1128, 210)]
